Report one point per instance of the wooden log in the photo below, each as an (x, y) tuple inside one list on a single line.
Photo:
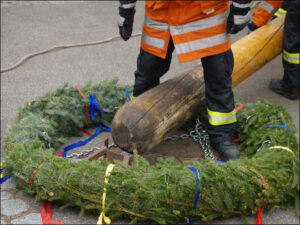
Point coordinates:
[(255, 50), (148, 119), (145, 121)]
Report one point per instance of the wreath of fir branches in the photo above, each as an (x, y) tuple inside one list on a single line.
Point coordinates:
[(165, 192)]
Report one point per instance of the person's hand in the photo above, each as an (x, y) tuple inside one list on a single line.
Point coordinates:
[(125, 23), (239, 16), (251, 27)]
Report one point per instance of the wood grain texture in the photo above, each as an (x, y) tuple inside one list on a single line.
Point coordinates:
[(148, 119)]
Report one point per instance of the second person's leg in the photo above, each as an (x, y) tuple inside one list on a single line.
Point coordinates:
[(289, 86)]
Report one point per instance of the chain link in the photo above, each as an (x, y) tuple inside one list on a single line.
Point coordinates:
[(112, 145), (198, 135), (85, 152), (266, 142)]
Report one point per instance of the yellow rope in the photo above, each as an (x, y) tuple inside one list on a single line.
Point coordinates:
[(1, 167), (24, 58), (102, 216), (281, 147)]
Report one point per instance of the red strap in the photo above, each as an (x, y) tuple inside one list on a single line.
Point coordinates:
[(263, 179), (236, 140), (86, 132), (46, 214), (80, 92), (259, 217), (86, 114), (33, 174), (86, 107), (239, 108)]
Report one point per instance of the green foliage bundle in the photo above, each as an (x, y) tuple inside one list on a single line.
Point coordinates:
[(165, 192), (61, 113), (252, 129)]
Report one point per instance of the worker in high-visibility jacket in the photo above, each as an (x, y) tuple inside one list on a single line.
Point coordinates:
[(195, 29), (289, 86)]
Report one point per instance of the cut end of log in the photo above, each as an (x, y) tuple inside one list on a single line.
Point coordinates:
[(122, 135)]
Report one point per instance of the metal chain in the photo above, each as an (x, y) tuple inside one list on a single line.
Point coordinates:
[(45, 134), (87, 151), (198, 135), (112, 145), (82, 153), (266, 142)]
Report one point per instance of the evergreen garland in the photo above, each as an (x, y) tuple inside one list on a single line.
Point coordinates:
[(62, 113), (165, 192)]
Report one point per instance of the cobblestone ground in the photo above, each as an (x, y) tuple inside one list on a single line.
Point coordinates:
[(15, 209), (20, 208)]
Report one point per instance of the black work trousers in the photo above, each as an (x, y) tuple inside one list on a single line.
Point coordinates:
[(218, 84), (291, 46)]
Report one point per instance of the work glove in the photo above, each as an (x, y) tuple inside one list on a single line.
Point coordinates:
[(126, 12), (239, 16), (251, 27)]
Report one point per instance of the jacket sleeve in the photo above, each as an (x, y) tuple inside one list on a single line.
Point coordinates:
[(241, 3), (265, 11), (241, 7), (127, 4), (284, 7)]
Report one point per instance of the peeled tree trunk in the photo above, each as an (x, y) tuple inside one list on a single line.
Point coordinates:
[(150, 118), (255, 50)]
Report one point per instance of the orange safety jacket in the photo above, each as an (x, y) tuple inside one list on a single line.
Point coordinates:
[(265, 11), (198, 28)]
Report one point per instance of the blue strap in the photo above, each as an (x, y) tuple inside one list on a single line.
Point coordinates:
[(81, 143), (195, 172), (22, 139), (3, 179), (94, 105), (105, 128), (282, 126), (127, 94)]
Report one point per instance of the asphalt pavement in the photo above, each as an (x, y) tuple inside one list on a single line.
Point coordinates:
[(27, 27)]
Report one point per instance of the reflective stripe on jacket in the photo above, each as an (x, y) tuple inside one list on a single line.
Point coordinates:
[(198, 28), (265, 11), (280, 12)]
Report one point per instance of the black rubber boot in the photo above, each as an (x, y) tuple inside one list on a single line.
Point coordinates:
[(227, 150), (279, 87)]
